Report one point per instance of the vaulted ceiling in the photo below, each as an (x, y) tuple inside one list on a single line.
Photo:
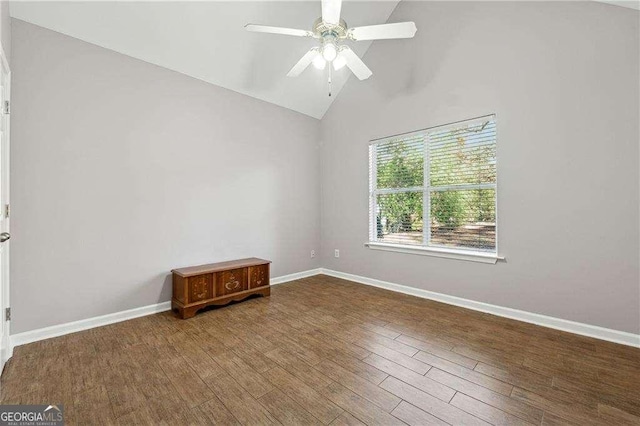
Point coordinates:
[(207, 40)]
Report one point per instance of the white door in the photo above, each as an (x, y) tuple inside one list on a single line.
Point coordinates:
[(5, 80)]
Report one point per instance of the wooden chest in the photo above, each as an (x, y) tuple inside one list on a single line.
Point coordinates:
[(197, 287)]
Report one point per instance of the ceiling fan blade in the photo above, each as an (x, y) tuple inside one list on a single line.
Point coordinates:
[(331, 11), (384, 31), (278, 30), (355, 64), (303, 63)]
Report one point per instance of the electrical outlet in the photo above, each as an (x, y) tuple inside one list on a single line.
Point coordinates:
[(336, 253), (313, 254)]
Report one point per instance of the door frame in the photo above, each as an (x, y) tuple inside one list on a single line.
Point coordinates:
[(6, 348)]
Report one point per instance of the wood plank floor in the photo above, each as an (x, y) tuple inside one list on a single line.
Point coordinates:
[(327, 351)]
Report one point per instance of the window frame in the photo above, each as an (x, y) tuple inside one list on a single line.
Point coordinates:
[(461, 253)]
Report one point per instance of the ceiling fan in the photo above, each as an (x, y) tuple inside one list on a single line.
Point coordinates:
[(331, 32)]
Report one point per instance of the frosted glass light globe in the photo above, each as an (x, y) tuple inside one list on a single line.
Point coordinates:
[(329, 52), (339, 62), (319, 62)]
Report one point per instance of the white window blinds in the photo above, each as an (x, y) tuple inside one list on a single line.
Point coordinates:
[(436, 187)]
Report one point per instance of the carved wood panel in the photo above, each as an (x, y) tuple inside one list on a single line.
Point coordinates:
[(232, 281), (258, 276), (200, 288)]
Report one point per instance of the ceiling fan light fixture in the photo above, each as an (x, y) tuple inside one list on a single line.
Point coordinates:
[(339, 62), (329, 51), (319, 62)]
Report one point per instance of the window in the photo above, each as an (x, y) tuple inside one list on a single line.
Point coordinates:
[(435, 188)]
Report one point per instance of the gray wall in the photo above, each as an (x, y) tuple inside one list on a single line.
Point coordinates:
[(562, 78), (122, 170)]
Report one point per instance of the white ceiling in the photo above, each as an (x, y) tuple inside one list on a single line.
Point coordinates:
[(631, 4), (206, 40)]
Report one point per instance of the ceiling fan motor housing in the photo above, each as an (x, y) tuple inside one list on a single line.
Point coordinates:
[(324, 30)]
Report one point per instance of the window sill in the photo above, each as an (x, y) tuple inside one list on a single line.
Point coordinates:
[(437, 252)]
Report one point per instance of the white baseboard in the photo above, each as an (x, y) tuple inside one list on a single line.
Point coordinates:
[(85, 324), (602, 333), (72, 327), (296, 276), (594, 331)]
